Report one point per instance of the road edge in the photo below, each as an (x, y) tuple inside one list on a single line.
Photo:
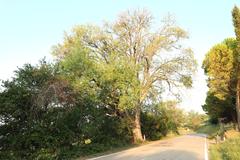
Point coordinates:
[(206, 149)]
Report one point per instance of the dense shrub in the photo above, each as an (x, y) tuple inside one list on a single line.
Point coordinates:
[(160, 119), (42, 116)]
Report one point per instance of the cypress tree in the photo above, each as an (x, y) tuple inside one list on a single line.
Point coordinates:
[(236, 24)]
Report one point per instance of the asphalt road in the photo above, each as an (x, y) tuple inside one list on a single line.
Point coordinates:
[(187, 147)]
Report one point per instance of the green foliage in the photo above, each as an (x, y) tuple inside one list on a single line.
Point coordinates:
[(42, 117), (57, 126), (217, 108), (236, 23), (219, 66)]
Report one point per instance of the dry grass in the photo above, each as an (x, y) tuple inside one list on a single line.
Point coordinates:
[(232, 134)]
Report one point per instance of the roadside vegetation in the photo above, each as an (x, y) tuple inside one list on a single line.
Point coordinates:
[(227, 150), (103, 91)]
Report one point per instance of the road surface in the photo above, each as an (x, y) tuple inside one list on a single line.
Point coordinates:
[(187, 147)]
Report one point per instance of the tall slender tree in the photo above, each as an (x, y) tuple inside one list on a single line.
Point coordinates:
[(236, 23)]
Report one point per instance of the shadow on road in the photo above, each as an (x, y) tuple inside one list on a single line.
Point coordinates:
[(197, 135), (164, 155), (187, 147)]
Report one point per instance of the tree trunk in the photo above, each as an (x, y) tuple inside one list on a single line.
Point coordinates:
[(238, 104), (136, 130), (234, 120)]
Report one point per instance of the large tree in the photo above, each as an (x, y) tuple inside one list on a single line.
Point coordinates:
[(154, 59)]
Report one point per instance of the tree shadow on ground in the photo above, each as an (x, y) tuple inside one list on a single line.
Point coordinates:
[(161, 155)]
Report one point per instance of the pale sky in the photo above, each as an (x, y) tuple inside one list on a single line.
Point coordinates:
[(29, 29)]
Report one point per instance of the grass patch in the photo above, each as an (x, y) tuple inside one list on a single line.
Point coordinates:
[(228, 150), (214, 153)]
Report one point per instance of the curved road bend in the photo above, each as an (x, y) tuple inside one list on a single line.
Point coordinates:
[(187, 147)]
